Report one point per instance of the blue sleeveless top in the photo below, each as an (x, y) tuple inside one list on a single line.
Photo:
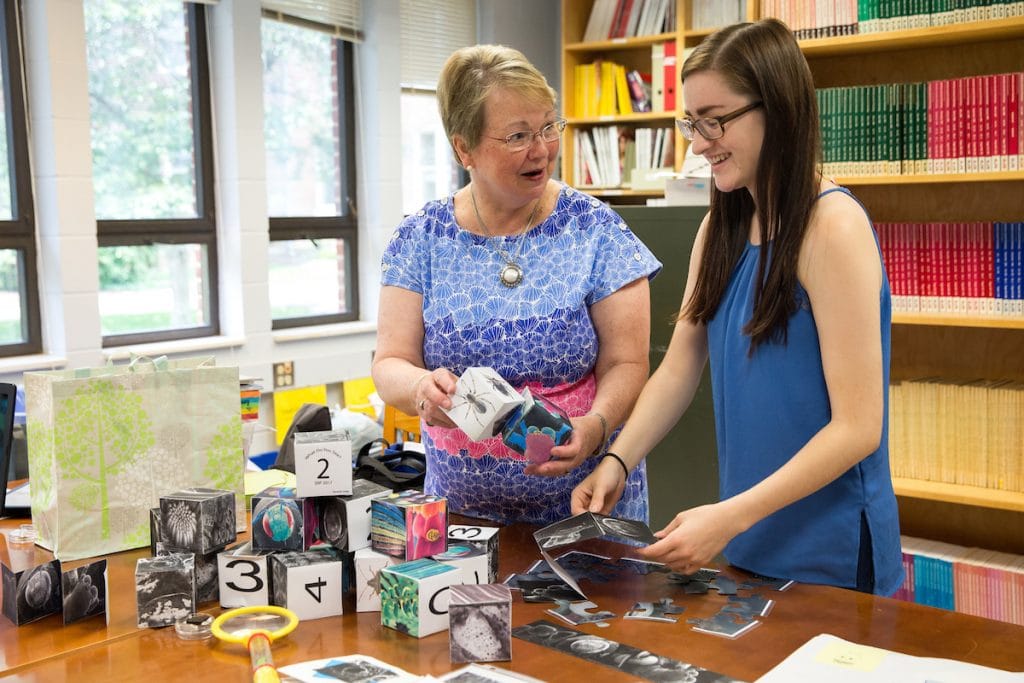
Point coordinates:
[(767, 406)]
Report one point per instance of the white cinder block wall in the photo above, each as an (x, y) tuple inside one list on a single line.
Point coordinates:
[(58, 103)]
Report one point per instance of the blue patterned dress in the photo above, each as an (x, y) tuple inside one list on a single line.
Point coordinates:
[(537, 335)]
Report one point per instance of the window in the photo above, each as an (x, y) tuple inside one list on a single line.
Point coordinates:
[(152, 151), (19, 292), (431, 31), (309, 134)]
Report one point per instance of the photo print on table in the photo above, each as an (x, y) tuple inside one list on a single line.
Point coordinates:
[(85, 592)]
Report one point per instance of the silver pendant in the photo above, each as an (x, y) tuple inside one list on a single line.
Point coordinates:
[(511, 275)]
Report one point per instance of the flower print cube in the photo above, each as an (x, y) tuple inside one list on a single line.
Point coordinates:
[(535, 427), (198, 519), (409, 524), (481, 402), (414, 596), (480, 618), (283, 521)]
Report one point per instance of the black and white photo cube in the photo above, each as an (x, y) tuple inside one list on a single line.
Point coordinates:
[(243, 576), (31, 593), (164, 587), (281, 520), (155, 532), (85, 592), (368, 563), (344, 521), (199, 519), (482, 401), (471, 561), (207, 586), (414, 596), (323, 463), (308, 583), (480, 619), (485, 537)]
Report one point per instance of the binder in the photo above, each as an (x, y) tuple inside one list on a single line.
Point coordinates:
[(670, 75), (658, 77)]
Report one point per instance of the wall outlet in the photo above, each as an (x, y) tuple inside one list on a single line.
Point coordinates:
[(284, 374)]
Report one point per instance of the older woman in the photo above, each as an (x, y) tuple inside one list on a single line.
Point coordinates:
[(519, 273)]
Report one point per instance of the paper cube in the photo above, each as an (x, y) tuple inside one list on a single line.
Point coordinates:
[(323, 463), (409, 524), (308, 583), (207, 587), (481, 402), (471, 562), (32, 593), (368, 564), (535, 427), (164, 587), (281, 520), (414, 596), (243, 576), (155, 531), (480, 619), (484, 537), (85, 592), (344, 521), (200, 520)]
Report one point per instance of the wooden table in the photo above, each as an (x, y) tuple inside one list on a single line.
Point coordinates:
[(92, 651)]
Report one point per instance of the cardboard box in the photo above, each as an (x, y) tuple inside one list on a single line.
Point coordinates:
[(199, 520), (414, 596), (535, 427), (310, 583), (281, 520), (409, 524), (323, 463), (164, 589), (368, 563), (482, 401), (344, 521), (243, 576), (480, 618), (484, 537)]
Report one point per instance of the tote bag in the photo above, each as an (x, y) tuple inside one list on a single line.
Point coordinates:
[(105, 443)]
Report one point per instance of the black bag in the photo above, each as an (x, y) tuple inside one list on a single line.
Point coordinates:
[(310, 417), (391, 466)]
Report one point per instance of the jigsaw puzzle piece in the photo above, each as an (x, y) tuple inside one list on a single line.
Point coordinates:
[(577, 613)]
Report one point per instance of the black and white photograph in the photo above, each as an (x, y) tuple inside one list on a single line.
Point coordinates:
[(85, 591), (480, 633), (164, 589), (198, 519), (32, 593), (726, 624), (588, 525), (350, 669), (625, 658), (332, 515)]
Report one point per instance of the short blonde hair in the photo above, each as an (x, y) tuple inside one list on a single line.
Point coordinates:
[(470, 75)]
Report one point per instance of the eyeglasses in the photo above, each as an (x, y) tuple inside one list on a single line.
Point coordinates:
[(517, 142), (711, 127)]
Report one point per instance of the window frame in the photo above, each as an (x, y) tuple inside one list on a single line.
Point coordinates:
[(200, 230), (345, 226), (19, 232)]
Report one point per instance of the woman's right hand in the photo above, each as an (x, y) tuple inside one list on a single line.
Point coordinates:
[(601, 490), (432, 395)]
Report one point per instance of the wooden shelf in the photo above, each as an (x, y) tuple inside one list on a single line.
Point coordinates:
[(640, 117), (940, 320), (931, 178), (974, 32), (618, 43), (619, 192), (959, 494)]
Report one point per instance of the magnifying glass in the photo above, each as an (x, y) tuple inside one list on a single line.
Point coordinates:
[(256, 627)]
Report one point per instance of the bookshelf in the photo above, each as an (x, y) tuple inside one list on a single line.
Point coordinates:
[(952, 347)]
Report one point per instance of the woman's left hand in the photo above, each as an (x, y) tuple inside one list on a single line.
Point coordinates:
[(583, 442)]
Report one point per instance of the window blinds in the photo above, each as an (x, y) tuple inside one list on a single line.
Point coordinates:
[(431, 31), (342, 18)]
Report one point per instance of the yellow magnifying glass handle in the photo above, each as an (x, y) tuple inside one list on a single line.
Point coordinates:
[(263, 670)]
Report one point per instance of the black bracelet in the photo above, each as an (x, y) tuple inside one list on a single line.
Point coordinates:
[(622, 462)]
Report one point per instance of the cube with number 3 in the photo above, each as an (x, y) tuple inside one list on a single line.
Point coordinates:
[(243, 575)]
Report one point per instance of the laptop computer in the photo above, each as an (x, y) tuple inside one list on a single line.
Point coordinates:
[(14, 502)]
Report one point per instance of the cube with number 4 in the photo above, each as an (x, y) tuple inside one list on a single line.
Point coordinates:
[(309, 584)]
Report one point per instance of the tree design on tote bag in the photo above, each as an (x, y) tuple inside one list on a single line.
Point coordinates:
[(99, 431), (224, 457)]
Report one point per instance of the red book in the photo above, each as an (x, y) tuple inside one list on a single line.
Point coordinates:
[(1013, 88), (670, 76)]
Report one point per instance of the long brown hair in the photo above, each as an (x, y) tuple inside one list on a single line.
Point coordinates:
[(762, 60)]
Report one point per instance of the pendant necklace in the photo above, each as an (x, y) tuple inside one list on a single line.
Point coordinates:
[(512, 273)]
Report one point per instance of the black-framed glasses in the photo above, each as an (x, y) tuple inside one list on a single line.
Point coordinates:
[(711, 127), (517, 142)]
